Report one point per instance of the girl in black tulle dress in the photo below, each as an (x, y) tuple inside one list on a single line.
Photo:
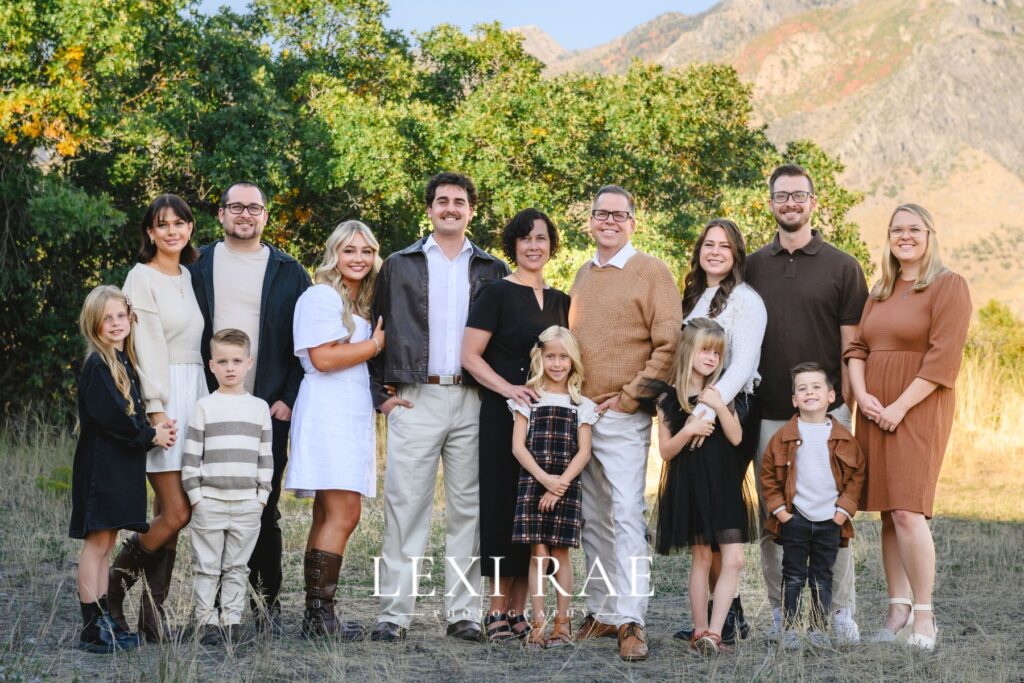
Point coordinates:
[(700, 502)]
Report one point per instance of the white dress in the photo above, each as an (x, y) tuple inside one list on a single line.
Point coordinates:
[(333, 433)]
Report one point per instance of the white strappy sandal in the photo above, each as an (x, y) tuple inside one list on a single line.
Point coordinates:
[(919, 640), (884, 635)]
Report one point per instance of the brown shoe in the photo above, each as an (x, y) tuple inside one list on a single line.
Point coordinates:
[(632, 642), (592, 628)]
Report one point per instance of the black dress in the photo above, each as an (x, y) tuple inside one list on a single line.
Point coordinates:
[(108, 481), (510, 313), (701, 498)]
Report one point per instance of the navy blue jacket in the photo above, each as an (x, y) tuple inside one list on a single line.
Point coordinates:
[(278, 371)]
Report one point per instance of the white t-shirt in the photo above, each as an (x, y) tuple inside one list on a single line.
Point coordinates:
[(816, 492)]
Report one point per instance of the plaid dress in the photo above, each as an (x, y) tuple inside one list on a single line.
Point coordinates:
[(552, 440)]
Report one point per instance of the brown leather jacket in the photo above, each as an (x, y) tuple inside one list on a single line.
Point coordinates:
[(778, 473)]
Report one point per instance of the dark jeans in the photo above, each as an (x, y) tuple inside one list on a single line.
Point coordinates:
[(808, 553), (265, 563)]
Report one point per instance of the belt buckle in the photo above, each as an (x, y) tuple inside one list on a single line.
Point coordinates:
[(446, 379)]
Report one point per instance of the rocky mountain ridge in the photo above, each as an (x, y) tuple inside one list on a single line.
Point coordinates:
[(922, 99)]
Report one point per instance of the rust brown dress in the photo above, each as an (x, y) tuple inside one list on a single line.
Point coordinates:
[(910, 334)]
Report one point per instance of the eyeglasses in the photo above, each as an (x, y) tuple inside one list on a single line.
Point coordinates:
[(237, 208), (916, 232), (799, 197), (617, 216)]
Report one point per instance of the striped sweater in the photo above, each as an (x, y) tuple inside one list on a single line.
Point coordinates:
[(227, 449)]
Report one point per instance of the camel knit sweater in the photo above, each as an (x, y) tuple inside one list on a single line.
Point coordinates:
[(627, 323)]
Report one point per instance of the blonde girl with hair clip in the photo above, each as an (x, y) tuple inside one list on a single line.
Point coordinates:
[(551, 440), (108, 490), (700, 499), (333, 432)]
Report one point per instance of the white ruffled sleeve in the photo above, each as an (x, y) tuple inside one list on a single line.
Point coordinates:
[(317, 319), (587, 411), (517, 407)]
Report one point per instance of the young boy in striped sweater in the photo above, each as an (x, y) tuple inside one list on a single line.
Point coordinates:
[(226, 471)]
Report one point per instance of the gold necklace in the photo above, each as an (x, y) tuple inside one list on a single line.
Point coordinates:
[(542, 287)]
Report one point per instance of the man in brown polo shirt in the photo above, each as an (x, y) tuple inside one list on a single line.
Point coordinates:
[(814, 294)]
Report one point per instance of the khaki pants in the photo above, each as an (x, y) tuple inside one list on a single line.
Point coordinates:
[(442, 426), (224, 533), (614, 528), (844, 591)]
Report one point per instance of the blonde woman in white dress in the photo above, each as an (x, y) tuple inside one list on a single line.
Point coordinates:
[(333, 437), (168, 335)]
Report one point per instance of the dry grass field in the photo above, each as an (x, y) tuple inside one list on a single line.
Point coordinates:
[(979, 531)]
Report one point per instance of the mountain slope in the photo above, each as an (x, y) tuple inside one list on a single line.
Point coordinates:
[(922, 99)]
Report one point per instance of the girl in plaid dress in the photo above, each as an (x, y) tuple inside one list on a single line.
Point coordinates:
[(551, 440)]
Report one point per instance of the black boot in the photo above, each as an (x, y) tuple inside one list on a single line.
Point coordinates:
[(152, 618), (129, 564), (126, 640), (735, 622), (97, 634), (321, 570)]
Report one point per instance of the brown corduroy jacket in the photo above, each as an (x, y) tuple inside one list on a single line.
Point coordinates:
[(778, 473)]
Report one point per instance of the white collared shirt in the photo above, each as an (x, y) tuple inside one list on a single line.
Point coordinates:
[(620, 258), (447, 306)]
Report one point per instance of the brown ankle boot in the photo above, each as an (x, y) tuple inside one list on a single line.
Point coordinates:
[(152, 619), (129, 564), (321, 570)]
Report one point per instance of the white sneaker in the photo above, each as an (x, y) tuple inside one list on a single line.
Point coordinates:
[(790, 640), (819, 639), (845, 628), (775, 631)]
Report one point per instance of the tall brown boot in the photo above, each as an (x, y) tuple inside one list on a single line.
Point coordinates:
[(152, 619), (321, 570), (129, 564)]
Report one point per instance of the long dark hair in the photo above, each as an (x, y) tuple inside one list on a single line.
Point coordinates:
[(147, 249), (696, 280)]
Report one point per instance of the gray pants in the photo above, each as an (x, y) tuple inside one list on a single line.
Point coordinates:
[(844, 591), (441, 428)]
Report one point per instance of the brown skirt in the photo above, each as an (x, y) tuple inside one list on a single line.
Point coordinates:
[(903, 466)]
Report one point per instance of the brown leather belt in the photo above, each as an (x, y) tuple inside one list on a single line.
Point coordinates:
[(444, 379)]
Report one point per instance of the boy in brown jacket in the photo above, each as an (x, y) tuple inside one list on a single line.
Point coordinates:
[(811, 477)]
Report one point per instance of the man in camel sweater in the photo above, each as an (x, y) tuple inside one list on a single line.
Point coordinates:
[(626, 314)]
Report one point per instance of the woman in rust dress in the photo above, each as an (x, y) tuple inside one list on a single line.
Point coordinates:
[(902, 368)]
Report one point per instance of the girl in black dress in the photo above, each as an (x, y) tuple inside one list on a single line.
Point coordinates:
[(108, 489), (700, 502), (551, 440)]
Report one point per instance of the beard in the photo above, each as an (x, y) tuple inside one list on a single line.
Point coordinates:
[(793, 226)]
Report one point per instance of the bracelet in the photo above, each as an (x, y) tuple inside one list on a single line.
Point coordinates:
[(377, 352)]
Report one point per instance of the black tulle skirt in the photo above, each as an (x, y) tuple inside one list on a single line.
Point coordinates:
[(706, 496)]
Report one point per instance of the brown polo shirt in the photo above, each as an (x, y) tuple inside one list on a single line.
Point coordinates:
[(808, 293)]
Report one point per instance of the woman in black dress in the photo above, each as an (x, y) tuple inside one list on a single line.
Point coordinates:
[(502, 327)]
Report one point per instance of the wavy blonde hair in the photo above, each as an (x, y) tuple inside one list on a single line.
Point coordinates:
[(538, 380), (697, 335), (90, 320), (327, 272), (931, 262)]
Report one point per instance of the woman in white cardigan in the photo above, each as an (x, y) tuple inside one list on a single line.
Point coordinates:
[(714, 288), (168, 335)]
